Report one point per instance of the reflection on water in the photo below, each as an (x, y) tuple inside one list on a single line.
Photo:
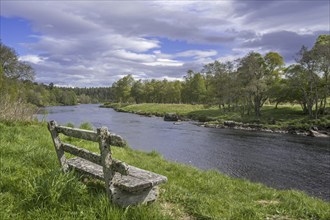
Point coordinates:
[(277, 160)]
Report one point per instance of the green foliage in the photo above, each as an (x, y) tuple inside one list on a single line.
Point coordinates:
[(122, 88), (70, 125), (32, 187), (86, 126), (13, 104), (309, 78), (11, 67)]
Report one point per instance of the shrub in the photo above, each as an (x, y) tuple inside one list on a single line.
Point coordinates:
[(86, 126), (16, 110)]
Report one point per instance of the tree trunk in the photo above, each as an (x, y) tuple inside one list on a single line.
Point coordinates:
[(316, 105), (257, 104)]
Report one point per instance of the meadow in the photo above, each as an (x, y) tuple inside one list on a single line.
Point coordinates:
[(284, 117)]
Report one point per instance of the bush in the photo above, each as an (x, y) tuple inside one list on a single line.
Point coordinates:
[(16, 110), (86, 126), (70, 125)]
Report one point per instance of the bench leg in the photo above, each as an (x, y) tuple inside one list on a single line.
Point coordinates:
[(125, 198)]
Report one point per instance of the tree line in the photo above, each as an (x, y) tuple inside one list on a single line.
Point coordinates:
[(245, 84)]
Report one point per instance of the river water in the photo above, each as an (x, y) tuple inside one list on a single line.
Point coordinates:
[(282, 161)]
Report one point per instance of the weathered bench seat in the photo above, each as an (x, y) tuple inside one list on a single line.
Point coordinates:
[(137, 179), (126, 185)]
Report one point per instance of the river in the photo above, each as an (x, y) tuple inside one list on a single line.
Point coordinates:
[(282, 161)]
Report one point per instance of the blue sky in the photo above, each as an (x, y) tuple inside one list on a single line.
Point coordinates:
[(94, 43)]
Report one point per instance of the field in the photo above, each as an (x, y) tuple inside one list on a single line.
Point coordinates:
[(33, 187)]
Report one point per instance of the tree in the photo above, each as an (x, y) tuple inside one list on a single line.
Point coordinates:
[(12, 91), (257, 74), (252, 72), (220, 83), (67, 98), (194, 88), (277, 85), (122, 88), (175, 91), (310, 76), (321, 52), (137, 91), (12, 67)]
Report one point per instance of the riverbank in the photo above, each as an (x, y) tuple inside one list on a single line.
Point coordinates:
[(33, 187), (284, 119)]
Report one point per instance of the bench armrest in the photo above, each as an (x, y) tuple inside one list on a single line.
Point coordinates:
[(119, 166)]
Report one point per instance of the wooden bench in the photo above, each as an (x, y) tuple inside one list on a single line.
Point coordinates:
[(125, 185)]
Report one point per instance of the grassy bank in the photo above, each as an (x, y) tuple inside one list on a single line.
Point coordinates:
[(284, 117), (32, 187), (155, 109)]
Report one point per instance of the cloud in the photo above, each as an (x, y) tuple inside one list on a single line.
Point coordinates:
[(164, 62), (197, 53), (287, 48), (132, 56), (31, 59), (94, 43), (295, 15)]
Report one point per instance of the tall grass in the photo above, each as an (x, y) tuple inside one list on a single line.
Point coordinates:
[(33, 187), (17, 110)]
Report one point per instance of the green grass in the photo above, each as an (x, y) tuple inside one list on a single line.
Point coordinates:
[(161, 109), (284, 117), (33, 187)]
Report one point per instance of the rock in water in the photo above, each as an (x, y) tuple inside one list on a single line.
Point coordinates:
[(171, 117), (313, 133)]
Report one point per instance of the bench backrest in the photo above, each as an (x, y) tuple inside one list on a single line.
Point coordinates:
[(102, 136)]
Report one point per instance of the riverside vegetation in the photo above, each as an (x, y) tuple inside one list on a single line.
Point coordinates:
[(33, 187), (284, 117), (256, 89)]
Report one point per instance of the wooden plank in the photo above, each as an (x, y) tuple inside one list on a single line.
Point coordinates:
[(91, 168), (57, 144), (153, 178), (138, 179), (83, 153), (86, 167), (78, 133), (129, 183)]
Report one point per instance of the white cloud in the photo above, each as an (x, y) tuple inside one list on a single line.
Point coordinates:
[(132, 56), (31, 59), (197, 53), (164, 62), (137, 44)]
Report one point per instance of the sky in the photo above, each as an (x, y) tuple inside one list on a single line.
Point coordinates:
[(95, 43)]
